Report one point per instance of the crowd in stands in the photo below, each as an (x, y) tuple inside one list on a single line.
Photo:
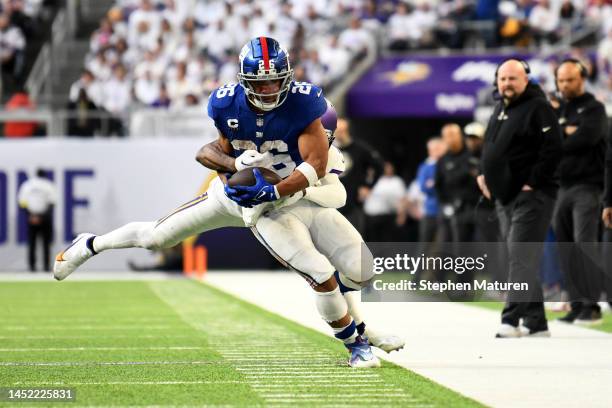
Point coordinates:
[(171, 54), (17, 25), (491, 23)]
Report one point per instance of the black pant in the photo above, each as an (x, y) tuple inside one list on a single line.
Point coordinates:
[(462, 225), (576, 220), (524, 223), (487, 223), (607, 254), (39, 228), (379, 228)]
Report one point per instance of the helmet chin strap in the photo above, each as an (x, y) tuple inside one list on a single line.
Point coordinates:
[(260, 104)]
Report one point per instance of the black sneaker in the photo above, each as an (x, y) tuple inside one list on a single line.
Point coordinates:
[(540, 332), (571, 315), (589, 317)]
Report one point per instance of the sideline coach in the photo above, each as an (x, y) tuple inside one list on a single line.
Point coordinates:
[(581, 172), (522, 149)]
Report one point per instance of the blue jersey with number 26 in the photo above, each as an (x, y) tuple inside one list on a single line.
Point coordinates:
[(276, 131)]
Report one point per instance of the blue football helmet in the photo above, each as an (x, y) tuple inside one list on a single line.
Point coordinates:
[(263, 60)]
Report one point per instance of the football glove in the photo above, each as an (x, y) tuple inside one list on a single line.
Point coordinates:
[(260, 192), (252, 158), (235, 196)]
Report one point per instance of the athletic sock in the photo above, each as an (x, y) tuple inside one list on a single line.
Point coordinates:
[(89, 244), (343, 288), (347, 334), (361, 328)]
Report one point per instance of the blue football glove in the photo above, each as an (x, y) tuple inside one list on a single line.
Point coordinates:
[(260, 192), (238, 198)]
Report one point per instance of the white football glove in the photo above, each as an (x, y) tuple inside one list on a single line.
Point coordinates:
[(252, 158)]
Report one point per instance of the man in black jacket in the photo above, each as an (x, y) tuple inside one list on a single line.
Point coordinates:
[(521, 153), (455, 184), (584, 124), (606, 217), (363, 167)]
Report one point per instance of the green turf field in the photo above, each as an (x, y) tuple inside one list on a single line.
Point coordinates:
[(605, 326), (180, 342)]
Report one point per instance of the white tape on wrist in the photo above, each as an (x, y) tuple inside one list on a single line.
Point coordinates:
[(309, 172)]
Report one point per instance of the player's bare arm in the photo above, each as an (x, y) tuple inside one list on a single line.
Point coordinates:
[(313, 146), (217, 155)]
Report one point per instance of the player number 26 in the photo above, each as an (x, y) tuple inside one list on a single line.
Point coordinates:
[(279, 150), (301, 87)]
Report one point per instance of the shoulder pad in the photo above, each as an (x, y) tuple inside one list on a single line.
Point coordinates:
[(223, 96), (306, 90)]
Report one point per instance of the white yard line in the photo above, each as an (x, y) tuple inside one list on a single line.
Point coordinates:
[(85, 327), (10, 276), (454, 345), (97, 336), (31, 349), (103, 363), (59, 383)]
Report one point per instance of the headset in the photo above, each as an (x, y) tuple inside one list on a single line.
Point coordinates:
[(584, 72), (522, 62)]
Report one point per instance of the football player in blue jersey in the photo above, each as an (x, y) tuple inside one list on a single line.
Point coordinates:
[(269, 121)]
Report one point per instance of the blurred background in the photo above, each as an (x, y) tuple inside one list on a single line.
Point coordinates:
[(109, 98)]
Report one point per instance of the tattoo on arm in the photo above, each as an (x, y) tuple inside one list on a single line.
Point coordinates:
[(217, 155)]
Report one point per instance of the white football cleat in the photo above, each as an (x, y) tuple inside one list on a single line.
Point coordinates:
[(385, 342), (72, 257)]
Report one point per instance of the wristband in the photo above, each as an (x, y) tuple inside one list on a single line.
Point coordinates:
[(309, 172)]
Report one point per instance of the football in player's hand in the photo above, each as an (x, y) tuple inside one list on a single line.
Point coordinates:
[(246, 177)]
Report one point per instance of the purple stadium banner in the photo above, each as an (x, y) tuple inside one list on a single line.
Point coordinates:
[(424, 86)]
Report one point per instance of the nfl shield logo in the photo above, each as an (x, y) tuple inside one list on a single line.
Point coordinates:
[(260, 122)]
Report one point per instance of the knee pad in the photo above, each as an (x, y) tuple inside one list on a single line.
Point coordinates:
[(355, 269), (331, 305), (311, 263)]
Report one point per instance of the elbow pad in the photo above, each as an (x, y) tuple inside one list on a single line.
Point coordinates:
[(329, 195)]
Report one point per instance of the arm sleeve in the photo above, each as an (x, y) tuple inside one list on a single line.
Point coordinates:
[(590, 130), (330, 194), (421, 177), (426, 173), (550, 150)]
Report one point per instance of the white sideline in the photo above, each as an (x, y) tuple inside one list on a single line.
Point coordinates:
[(453, 344), (13, 276)]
